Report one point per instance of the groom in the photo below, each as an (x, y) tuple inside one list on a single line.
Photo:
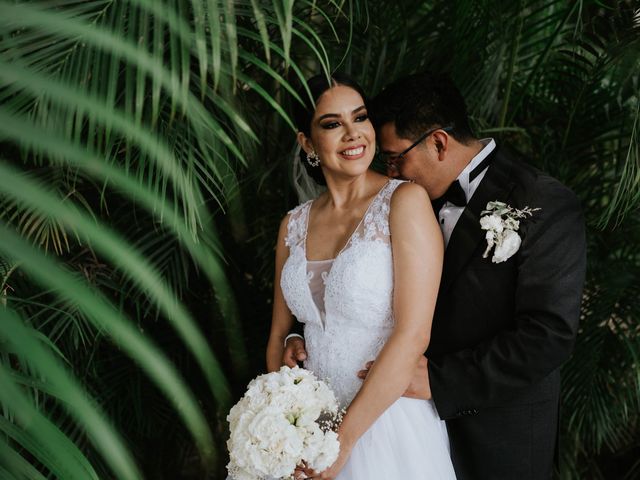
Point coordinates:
[(506, 316)]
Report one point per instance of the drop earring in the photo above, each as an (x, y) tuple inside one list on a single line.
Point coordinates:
[(313, 158)]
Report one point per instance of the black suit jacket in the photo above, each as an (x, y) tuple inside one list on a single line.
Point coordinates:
[(501, 331)]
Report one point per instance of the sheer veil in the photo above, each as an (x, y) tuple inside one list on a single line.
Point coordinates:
[(305, 186)]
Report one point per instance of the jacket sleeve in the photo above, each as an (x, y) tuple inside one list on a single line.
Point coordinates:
[(297, 328), (551, 264)]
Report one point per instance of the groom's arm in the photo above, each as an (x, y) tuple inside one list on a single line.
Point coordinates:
[(297, 330), (551, 271)]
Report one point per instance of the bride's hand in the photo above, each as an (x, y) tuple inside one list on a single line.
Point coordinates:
[(302, 472)]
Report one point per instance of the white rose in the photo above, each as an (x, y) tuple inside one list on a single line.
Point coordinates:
[(491, 222), (238, 473), (264, 443), (507, 247), (279, 445), (238, 423), (308, 415), (322, 449), (326, 396)]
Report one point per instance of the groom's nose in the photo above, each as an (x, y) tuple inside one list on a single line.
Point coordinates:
[(392, 170)]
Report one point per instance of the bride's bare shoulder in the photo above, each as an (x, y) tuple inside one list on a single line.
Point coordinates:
[(410, 195)]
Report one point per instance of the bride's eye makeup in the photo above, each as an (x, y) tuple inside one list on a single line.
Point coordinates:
[(363, 117), (330, 125)]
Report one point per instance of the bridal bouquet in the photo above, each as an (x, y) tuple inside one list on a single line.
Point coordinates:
[(285, 418)]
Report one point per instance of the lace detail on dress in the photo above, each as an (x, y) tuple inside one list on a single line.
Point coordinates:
[(297, 225), (376, 220), (358, 296), (295, 279)]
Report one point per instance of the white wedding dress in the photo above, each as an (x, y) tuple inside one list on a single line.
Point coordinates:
[(346, 307)]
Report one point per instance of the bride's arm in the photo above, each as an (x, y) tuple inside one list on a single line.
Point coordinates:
[(281, 319), (417, 248), (418, 251)]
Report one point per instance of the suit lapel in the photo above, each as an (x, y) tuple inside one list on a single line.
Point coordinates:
[(496, 185)]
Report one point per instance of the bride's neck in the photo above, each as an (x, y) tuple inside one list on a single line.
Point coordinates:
[(348, 193)]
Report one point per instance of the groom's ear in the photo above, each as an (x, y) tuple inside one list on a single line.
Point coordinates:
[(304, 142), (441, 142)]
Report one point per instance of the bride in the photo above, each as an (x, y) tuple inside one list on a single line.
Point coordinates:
[(360, 266)]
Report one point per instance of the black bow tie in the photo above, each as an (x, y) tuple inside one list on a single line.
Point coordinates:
[(455, 194)]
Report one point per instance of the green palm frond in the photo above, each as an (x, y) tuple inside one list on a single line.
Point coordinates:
[(109, 320), (47, 232), (144, 103), (69, 393), (164, 128), (6, 270), (16, 464), (116, 250)]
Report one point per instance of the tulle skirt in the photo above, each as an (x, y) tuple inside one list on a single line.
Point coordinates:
[(408, 441)]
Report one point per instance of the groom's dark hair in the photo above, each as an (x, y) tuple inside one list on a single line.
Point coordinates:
[(419, 102)]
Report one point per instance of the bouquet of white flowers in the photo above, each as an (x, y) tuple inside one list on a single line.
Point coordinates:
[(285, 418)]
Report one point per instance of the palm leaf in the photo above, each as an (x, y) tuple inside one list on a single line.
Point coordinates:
[(127, 82), (15, 463), (71, 395), (108, 319), (39, 436), (116, 250), (205, 258)]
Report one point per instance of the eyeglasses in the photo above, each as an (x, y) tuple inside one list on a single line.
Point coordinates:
[(393, 160)]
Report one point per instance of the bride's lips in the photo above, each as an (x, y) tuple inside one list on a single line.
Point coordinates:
[(353, 153)]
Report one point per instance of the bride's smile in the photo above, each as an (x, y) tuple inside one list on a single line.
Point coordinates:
[(341, 134), (353, 153)]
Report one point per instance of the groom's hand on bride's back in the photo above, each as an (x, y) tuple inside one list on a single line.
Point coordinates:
[(419, 386), (294, 352)]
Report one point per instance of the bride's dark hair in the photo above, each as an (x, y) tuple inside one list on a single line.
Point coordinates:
[(303, 114)]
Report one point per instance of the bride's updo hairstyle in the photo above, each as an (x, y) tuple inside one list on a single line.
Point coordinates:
[(303, 114)]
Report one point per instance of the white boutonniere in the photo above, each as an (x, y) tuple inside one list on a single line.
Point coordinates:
[(502, 222)]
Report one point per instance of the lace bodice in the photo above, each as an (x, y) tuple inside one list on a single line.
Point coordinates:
[(357, 317)]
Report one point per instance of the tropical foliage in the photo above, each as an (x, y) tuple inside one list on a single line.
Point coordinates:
[(145, 164)]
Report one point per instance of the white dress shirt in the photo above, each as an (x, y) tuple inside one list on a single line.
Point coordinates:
[(449, 213)]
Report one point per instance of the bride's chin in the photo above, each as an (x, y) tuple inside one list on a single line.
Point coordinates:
[(358, 172), (350, 169), (360, 164)]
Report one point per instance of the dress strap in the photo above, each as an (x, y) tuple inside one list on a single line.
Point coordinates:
[(387, 192), (376, 221), (297, 225)]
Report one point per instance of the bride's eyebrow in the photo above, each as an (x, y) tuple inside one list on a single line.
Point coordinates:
[(337, 115)]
